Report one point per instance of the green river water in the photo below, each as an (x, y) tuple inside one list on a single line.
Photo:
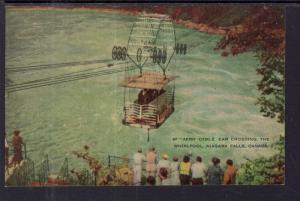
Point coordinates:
[(215, 95)]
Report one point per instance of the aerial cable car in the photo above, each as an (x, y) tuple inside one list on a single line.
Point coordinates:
[(149, 91)]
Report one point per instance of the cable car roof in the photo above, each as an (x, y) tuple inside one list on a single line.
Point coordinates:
[(149, 80)]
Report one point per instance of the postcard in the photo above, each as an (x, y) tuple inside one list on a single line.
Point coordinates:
[(144, 95)]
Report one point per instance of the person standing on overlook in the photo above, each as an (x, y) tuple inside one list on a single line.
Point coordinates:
[(175, 171), (185, 171), (17, 147), (163, 163), (230, 173), (215, 172), (138, 159), (165, 180), (151, 162), (199, 172)]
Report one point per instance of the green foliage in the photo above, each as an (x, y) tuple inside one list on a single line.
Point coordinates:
[(271, 87), (262, 170), (262, 32), (82, 177)]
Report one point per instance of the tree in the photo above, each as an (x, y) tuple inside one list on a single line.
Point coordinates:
[(262, 32), (93, 163), (264, 170)]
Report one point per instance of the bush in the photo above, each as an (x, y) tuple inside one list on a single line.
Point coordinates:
[(264, 170)]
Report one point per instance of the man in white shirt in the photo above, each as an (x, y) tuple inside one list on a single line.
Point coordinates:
[(175, 171), (151, 160), (165, 180), (138, 159), (199, 172), (163, 163)]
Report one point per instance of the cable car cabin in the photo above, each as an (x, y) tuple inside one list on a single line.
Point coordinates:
[(150, 100)]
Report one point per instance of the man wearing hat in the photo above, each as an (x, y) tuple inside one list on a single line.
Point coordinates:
[(175, 171), (163, 163), (138, 159), (17, 147), (151, 162)]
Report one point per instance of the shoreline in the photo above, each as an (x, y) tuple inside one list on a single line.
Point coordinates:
[(201, 27)]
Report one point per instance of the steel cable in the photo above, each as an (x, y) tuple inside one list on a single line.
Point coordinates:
[(57, 65), (69, 79)]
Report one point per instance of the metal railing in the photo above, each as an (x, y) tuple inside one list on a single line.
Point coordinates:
[(64, 171), (43, 170), (23, 175), (88, 178), (114, 161), (142, 114)]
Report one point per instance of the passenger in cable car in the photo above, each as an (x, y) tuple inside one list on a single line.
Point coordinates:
[(141, 98), (154, 94), (145, 96), (149, 96)]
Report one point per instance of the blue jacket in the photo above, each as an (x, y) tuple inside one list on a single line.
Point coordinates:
[(215, 175)]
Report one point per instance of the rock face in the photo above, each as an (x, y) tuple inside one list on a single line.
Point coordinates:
[(206, 18), (202, 27)]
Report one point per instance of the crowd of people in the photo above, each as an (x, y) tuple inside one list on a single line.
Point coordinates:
[(180, 172), (148, 170), (17, 157)]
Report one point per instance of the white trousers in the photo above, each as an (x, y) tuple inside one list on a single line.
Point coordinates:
[(137, 174)]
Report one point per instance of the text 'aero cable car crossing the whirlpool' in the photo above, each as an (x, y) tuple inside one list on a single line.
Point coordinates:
[(149, 92)]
